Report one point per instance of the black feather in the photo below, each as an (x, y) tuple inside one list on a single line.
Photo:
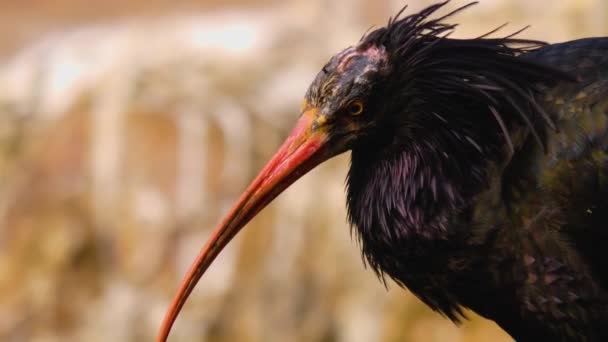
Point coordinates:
[(464, 175)]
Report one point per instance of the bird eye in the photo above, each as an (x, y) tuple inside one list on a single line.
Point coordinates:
[(355, 107)]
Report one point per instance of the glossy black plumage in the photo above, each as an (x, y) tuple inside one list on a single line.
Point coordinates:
[(479, 173)]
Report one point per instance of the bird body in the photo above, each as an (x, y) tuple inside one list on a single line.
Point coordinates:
[(518, 239), (478, 176)]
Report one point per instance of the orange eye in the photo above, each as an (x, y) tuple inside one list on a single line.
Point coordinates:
[(355, 107)]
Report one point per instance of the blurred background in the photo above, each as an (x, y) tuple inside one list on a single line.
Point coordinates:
[(127, 130)]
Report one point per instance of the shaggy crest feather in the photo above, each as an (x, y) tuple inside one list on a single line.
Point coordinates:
[(481, 68)]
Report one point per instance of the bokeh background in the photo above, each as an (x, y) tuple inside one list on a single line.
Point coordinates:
[(128, 128)]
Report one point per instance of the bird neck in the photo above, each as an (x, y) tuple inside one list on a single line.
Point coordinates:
[(401, 195)]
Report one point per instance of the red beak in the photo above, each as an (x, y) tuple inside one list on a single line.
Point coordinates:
[(305, 148)]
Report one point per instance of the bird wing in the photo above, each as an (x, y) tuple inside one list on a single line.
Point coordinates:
[(574, 171)]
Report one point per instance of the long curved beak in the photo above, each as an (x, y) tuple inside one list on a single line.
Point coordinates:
[(306, 147)]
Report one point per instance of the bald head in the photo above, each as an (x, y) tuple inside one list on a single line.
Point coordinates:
[(348, 75)]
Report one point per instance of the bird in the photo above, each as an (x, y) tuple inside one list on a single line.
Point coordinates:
[(478, 175)]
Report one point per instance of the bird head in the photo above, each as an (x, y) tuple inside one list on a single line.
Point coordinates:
[(342, 96), (394, 78)]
